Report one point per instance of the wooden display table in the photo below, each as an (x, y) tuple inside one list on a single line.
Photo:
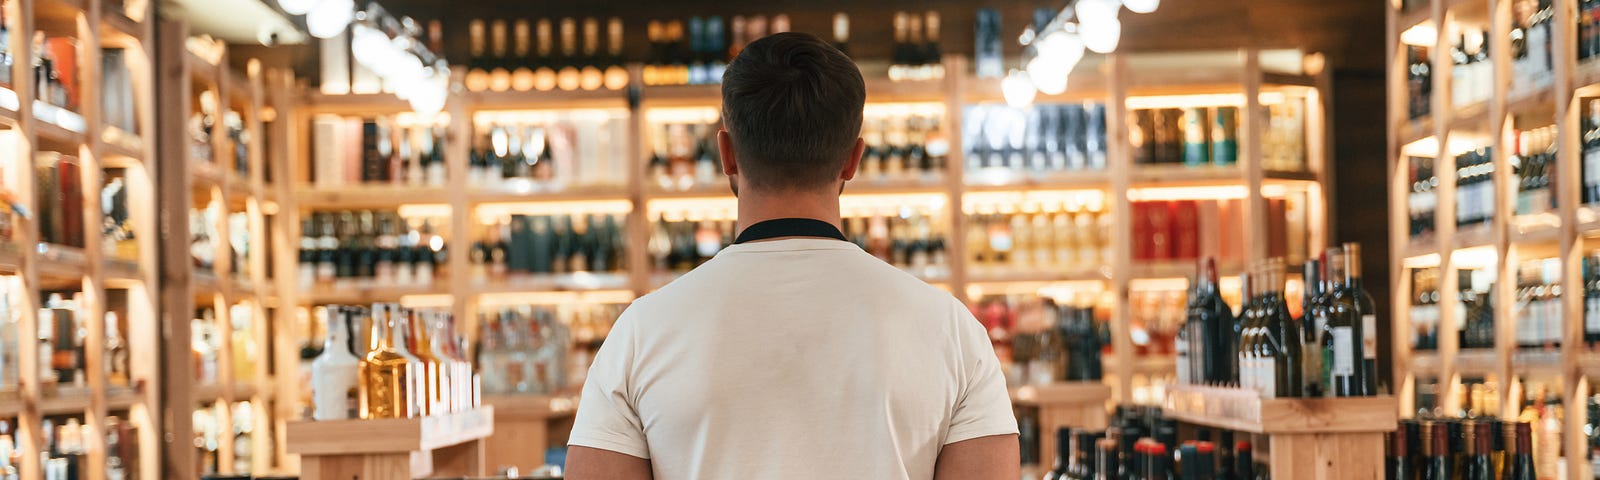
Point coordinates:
[(389, 449), (1072, 405), (1309, 438), (525, 426)]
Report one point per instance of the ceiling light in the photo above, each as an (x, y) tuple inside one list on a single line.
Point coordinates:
[(1018, 89), (1101, 36), (297, 7), (330, 17), (1141, 6)]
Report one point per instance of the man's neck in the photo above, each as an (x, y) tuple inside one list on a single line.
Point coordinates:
[(757, 208)]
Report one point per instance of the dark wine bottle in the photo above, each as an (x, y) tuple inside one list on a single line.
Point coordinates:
[(1064, 455), (1520, 465), (1396, 464), (1244, 463), (1437, 466)]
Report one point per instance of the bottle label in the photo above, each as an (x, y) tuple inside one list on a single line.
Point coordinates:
[(1591, 316), (1343, 362), (1268, 375), (1591, 167), (1369, 337), (1181, 345)]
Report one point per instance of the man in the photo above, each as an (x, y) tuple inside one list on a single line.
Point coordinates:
[(793, 353)]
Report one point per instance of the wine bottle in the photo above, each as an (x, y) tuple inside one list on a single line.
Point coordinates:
[(1195, 151), (568, 77), (1520, 465), (1396, 464), (590, 78), (1064, 455), (522, 76), (334, 372), (544, 74), (477, 79), (1284, 337), (898, 62), (433, 383), (699, 73), (499, 70), (616, 76), (932, 53)]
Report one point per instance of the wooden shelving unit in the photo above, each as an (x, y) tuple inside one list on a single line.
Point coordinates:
[(442, 445), (1305, 437), (1119, 81), (190, 66), (1498, 246), (33, 268)]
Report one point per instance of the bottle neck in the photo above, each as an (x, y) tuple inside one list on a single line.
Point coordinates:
[(382, 331), (336, 337)]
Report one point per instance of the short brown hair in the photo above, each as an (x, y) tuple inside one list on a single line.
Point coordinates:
[(792, 104)]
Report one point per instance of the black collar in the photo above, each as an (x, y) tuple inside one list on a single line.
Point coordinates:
[(789, 227)]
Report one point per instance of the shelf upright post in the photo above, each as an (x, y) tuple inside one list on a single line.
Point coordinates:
[(1250, 133), (1502, 124), (955, 67), (29, 437), (638, 220), (1398, 167), (456, 154), (1568, 153), (177, 301), (94, 292), (1120, 162), (1445, 225), (285, 230)]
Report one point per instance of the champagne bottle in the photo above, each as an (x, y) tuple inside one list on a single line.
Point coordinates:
[(544, 75), (522, 77), (590, 78), (568, 77), (500, 74), (477, 79), (616, 76)]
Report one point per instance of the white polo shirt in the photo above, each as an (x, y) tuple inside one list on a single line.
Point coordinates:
[(798, 358)]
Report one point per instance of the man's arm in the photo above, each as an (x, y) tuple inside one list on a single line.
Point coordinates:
[(584, 463), (995, 457)]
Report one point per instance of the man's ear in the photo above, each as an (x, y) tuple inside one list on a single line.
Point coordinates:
[(725, 147), (850, 164)]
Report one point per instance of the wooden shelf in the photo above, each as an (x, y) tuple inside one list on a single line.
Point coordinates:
[(122, 398), (1477, 361), (568, 194), (1153, 176), (540, 407), (10, 257), (1426, 361), (64, 400), (1480, 235), (892, 186), (1406, 19), (1412, 131), (1069, 393), (357, 294), (553, 283), (1470, 118), (1013, 181), (552, 100), (1537, 100), (11, 404), (361, 196), (1536, 362), (61, 267), (121, 272), (114, 142), (1587, 73), (525, 425), (206, 173), (207, 393), (389, 435), (1245, 411), (1037, 277)]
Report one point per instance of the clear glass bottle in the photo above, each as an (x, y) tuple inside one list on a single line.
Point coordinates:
[(432, 372)]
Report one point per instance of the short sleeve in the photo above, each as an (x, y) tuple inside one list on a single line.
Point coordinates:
[(606, 417), (983, 406)]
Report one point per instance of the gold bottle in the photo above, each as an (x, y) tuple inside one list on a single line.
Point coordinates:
[(590, 78), (388, 386), (435, 380), (500, 76), (616, 76), (477, 76), (522, 76)]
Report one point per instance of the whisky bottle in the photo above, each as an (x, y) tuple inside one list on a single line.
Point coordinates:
[(334, 373), (477, 79), (590, 78), (500, 74), (544, 74), (616, 76), (568, 77), (388, 383), (522, 76)]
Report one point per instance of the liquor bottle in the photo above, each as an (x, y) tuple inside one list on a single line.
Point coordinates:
[(1283, 338), (1224, 136), (477, 79), (1107, 463), (616, 75), (499, 63), (1478, 466), (1196, 151), (932, 54), (435, 383), (544, 74), (334, 374), (1254, 368), (1218, 324), (388, 383), (521, 48), (1591, 153), (1520, 465), (1591, 299), (568, 77)]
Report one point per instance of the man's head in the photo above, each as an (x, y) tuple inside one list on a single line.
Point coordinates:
[(791, 110)]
